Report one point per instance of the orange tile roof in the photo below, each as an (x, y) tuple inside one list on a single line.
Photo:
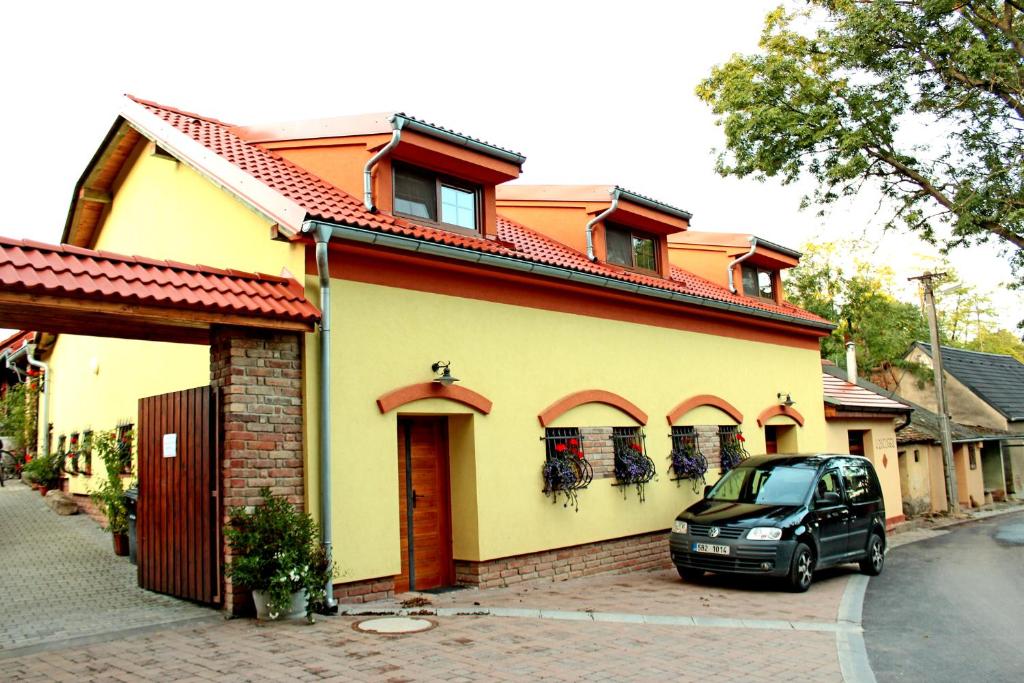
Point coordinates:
[(324, 201), (842, 393), (16, 341), (34, 267)]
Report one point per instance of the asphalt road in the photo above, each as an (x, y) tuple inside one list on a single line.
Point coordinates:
[(951, 608)]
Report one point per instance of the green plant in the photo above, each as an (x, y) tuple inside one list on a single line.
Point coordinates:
[(275, 549), (109, 493), (42, 470), (18, 413)]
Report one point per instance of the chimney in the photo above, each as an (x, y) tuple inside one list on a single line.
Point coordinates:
[(851, 362)]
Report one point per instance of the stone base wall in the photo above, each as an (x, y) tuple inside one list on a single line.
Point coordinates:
[(367, 590), (644, 551)]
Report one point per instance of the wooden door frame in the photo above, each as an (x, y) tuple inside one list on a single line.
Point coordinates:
[(445, 516)]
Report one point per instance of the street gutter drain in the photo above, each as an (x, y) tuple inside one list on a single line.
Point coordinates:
[(394, 626)]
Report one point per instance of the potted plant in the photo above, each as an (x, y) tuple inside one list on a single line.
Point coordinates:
[(277, 555), (632, 466), (108, 495), (689, 463), (733, 452), (42, 472)]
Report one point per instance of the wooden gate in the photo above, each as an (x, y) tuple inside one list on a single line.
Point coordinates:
[(178, 530)]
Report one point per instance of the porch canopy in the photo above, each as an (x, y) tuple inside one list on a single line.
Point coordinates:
[(70, 290)]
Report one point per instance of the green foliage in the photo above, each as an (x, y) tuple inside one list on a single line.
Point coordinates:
[(109, 493), (276, 549), (42, 470), (18, 413), (860, 303), (847, 92), (998, 341)]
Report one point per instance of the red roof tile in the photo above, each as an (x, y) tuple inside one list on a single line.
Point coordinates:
[(327, 202), (99, 275), (848, 395), (16, 341)]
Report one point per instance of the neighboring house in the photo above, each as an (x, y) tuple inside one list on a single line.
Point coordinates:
[(985, 392), (550, 348), (862, 421), (14, 370), (921, 469)]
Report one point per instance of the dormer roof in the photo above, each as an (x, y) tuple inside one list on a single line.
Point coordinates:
[(585, 193), (736, 243)]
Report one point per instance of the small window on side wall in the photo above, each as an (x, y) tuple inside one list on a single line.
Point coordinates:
[(631, 249), (433, 198), (758, 282)]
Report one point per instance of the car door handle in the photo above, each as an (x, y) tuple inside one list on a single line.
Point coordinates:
[(415, 497)]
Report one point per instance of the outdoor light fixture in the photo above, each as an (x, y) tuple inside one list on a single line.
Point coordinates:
[(788, 401), (444, 370)]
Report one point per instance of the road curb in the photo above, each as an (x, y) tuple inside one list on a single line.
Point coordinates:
[(853, 654)]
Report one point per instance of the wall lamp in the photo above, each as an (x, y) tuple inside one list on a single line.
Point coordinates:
[(443, 369), (788, 401)]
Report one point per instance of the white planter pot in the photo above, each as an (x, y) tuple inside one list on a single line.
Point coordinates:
[(297, 610)]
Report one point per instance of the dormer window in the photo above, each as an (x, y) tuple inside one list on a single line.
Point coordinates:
[(631, 249), (433, 198), (758, 282)]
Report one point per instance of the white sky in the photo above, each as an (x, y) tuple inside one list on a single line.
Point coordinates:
[(590, 92)]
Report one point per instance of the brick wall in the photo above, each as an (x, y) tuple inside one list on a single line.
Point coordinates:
[(365, 591), (597, 447), (259, 375), (710, 446), (644, 551)]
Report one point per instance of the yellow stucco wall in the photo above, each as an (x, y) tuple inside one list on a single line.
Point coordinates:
[(970, 483), (879, 448), (915, 476), (523, 360), (164, 210)]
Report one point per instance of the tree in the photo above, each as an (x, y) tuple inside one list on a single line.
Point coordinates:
[(923, 99), (860, 302), (998, 341)]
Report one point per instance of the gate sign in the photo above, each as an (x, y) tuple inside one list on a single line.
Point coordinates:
[(170, 445)]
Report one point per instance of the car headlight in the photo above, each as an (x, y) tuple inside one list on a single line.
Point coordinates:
[(679, 527), (764, 533)]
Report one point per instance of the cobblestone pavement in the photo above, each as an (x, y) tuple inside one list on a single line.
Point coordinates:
[(630, 627), (60, 579), (459, 649)]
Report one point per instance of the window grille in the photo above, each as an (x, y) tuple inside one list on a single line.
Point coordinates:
[(687, 460), (566, 469), (632, 466), (731, 447)]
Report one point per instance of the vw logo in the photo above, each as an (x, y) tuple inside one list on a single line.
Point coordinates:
[(714, 531)]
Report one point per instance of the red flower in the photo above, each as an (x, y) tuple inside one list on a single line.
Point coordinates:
[(739, 437), (579, 455), (28, 458), (574, 442), (560, 447)]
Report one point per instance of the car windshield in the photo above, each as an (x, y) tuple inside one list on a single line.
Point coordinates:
[(764, 485)]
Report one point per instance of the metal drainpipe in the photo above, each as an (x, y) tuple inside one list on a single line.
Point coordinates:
[(323, 236), (396, 135), (597, 219), (44, 414), (741, 259)]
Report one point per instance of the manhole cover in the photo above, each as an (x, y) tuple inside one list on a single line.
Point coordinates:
[(394, 625)]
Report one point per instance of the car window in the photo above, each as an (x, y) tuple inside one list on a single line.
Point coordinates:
[(764, 486), (857, 482), (829, 483)]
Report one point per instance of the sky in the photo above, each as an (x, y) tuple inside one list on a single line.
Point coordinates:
[(591, 92)]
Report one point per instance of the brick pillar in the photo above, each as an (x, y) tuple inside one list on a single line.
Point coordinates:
[(259, 375)]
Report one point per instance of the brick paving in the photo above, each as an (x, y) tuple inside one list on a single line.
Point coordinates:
[(60, 579)]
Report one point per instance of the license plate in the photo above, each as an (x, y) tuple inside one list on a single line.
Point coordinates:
[(708, 548)]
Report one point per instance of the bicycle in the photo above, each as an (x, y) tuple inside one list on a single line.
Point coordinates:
[(10, 466)]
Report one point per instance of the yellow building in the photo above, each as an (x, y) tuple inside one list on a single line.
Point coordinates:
[(494, 350)]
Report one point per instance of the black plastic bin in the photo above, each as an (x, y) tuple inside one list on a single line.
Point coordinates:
[(131, 501)]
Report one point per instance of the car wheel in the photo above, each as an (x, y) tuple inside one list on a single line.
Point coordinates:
[(875, 560), (801, 571), (690, 575)]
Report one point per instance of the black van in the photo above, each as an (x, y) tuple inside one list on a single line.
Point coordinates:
[(786, 516)]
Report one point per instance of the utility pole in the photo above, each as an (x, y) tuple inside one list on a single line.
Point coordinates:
[(952, 496)]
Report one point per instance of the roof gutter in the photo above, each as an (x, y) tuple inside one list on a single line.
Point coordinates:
[(597, 219), (741, 259), (364, 236), (417, 126), (396, 135), (322, 234), (906, 421)]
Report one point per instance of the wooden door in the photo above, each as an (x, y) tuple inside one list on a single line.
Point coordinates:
[(424, 495), (177, 529)]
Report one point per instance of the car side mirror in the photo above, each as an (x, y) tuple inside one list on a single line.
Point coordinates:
[(829, 498), (707, 490)]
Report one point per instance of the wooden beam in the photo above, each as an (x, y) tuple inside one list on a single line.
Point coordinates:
[(100, 314), (88, 194)]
